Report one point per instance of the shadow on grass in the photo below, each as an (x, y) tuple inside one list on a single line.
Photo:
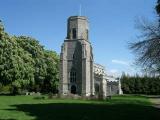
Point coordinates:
[(80, 111), (6, 94), (7, 119), (154, 97)]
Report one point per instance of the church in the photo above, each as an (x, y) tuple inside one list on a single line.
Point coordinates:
[(78, 72)]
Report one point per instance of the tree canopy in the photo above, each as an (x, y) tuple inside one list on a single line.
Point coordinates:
[(26, 65), (140, 84)]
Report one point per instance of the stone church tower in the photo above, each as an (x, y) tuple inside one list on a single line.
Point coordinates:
[(76, 59)]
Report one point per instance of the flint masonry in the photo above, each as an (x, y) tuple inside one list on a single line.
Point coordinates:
[(78, 72), (76, 59)]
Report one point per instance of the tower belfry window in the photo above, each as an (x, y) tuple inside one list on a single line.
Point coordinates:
[(72, 76), (87, 34), (74, 33)]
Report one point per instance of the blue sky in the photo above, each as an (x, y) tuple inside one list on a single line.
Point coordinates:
[(112, 25)]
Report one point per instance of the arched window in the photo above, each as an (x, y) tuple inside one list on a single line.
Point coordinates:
[(74, 33), (87, 34), (97, 88), (73, 76)]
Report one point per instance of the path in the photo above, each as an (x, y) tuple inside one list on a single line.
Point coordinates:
[(156, 101)]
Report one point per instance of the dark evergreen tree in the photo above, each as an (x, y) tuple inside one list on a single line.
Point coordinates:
[(140, 84)]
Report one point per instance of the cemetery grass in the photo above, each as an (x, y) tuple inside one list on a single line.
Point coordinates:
[(128, 107)]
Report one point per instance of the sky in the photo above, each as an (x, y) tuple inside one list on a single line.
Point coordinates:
[(112, 25)]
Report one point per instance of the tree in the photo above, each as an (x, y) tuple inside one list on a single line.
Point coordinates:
[(36, 51), (140, 84), (1, 29), (52, 76), (26, 65), (16, 65), (147, 48), (44, 64), (158, 7)]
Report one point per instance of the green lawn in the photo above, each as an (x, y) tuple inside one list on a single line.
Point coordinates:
[(118, 108)]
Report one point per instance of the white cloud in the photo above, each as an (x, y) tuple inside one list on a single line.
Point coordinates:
[(114, 71), (120, 62)]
